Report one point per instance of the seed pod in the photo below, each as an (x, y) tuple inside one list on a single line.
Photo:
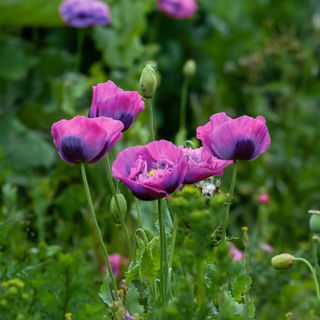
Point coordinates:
[(282, 261), (148, 82), (189, 68), (114, 209), (314, 221)]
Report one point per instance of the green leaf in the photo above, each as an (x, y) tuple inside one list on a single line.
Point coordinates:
[(105, 292), (239, 286), (132, 301)]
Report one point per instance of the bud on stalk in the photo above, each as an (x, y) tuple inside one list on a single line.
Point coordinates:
[(314, 222), (114, 209), (282, 261), (148, 82), (189, 68)]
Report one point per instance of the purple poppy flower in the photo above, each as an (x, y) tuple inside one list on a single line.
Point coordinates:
[(85, 13), (82, 139), (178, 9), (235, 252), (116, 260), (243, 138), (153, 171), (202, 165), (263, 198), (266, 247), (110, 101)]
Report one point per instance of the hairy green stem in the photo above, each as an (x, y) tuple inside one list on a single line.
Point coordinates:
[(315, 254), (246, 261), (139, 213), (79, 50), (151, 124), (173, 241), (226, 215), (316, 283), (162, 253), (190, 143), (119, 209), (183, 105), (95, 222), (200, 282)]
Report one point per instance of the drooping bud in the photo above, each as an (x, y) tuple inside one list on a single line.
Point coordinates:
[(314, 222), (148, 82), (114, 209), (282, 261), (189, 68)]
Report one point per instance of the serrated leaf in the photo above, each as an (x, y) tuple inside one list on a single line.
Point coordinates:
[(105, 292), (239, 286), (132, 300)]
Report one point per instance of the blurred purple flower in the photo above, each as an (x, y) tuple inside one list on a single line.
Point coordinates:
[(263, 198), (112, 102), (243, 138), (178, 9), (127, 315), (85, 140), (85, 13), (202, 165), (235, 252), (266, 247), (116, 260), (153, 171)]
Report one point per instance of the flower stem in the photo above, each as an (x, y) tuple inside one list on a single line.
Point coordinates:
[(173, 241), (150, 110), (139, 213), (189, 142), (95, 222), (316, 283), (226, 216), (119, 209), (79, 50), (246, 261), (162, 253), (315, 253), (200, 282), (183, 105)]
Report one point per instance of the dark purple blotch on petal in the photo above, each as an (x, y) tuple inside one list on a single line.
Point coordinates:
[(72, 149), (243, 149), (126, 119)]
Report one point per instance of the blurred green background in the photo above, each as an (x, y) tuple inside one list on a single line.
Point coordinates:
[(253, 57)]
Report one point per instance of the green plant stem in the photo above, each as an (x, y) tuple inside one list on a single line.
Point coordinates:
[(151, 124), (79, 50), (226, 216), (190, 143), (200, 282), (133, 256), (316, 283), (183, 105), (173, 241), (246, 261), (95, 222), (162, 253), (315, 257), (139, 213)]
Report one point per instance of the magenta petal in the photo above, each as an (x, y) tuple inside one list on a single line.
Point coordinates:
[(152, 171), (112, 102), (83, 139), (243, 138), (202, 165), (178, 9), (203, 133)]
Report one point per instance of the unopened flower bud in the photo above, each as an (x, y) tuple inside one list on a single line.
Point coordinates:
[(282, 261), (114, 208), (148, 82), (189, 68), (314, 222)]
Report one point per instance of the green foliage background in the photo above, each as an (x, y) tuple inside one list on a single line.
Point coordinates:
[(253, 57)]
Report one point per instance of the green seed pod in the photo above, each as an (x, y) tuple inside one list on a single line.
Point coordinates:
[(314, 222), (148, 82), (114, 209), (189, 68), (282, 261)]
